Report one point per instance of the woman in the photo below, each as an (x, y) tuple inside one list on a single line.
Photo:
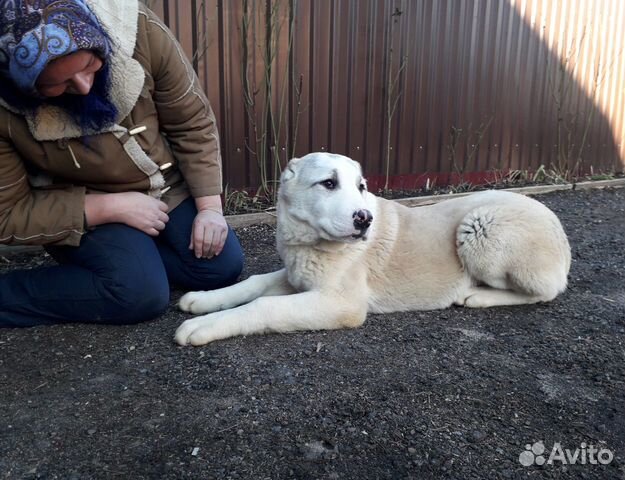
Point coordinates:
[(109, 157)]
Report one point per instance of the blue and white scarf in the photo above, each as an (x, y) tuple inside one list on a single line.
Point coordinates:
[(34, 32)]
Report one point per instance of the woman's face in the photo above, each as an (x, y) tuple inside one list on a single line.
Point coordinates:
[(73, 74)]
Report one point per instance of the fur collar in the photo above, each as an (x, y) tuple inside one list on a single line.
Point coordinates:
[(119, 18)]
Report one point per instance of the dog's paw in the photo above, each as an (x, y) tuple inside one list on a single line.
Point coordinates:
[(197, 331), (476, 301), (198, 302)]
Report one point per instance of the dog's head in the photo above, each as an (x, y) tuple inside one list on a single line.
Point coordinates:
[(326, 195)]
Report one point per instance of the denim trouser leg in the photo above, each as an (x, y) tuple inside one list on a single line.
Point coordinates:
[(114, 276), (117, 275), (188, 272)]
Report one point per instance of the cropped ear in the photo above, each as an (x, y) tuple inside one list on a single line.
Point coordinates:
[(289, 171)]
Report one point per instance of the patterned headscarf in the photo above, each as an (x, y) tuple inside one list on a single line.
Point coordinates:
[(34, 32)]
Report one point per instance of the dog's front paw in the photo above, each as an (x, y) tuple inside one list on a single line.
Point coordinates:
[(197, 302), (197, 331)]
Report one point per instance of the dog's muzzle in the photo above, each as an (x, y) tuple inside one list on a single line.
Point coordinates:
[(362, 221)]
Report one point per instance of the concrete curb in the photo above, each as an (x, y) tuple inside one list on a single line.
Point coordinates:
[(237, 221), (269, 217)]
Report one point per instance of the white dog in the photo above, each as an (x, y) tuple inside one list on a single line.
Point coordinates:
[(347, 252)]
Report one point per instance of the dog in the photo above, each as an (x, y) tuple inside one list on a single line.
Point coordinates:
[(347, 252)]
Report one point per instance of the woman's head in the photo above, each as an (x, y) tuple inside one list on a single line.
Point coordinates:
[(53, 52)]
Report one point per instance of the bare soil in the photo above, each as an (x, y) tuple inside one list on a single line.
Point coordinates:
[(452, 394)]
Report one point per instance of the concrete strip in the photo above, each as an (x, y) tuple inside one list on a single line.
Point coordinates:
[(8, 250), (237, 221), (247, 219), (269, 218)]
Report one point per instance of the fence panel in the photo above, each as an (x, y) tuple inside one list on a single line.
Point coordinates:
[(414, 89)]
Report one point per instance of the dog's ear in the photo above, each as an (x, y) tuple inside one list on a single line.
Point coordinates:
[(289, 171)]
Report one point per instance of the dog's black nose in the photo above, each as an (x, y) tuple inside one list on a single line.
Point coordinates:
[(362, 219)]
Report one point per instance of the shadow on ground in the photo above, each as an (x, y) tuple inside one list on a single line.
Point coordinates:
[(447, 394)]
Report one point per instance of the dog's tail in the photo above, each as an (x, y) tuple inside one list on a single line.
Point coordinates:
[(475, 228)]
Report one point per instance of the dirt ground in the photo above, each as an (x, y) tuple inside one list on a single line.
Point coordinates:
[(452, 394)]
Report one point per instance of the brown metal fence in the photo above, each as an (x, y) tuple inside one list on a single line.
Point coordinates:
[(413, 89)]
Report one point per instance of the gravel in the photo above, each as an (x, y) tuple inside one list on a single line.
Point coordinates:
[(455, 394)]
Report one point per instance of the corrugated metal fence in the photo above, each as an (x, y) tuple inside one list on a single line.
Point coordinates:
[(410, 88)]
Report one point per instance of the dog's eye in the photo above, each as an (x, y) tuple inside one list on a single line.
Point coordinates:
[(362, 187), (330, 184)]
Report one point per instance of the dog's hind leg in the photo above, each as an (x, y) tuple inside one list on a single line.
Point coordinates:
[(311, 310), (484, 297), (268, 284), (522, 254)]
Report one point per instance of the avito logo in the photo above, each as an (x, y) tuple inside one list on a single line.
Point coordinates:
[(585, 454)]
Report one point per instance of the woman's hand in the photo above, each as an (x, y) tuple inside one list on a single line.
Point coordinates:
[(134, 209), (210, 229)]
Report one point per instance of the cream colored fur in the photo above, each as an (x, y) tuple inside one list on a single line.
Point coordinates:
[(488, 249)]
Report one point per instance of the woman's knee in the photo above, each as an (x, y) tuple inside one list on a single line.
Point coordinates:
[(118, 272), (135, 286), (220, 271), (233, 260), (135, 300)]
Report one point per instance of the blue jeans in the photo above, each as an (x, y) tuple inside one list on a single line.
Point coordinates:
[(117, 275)]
